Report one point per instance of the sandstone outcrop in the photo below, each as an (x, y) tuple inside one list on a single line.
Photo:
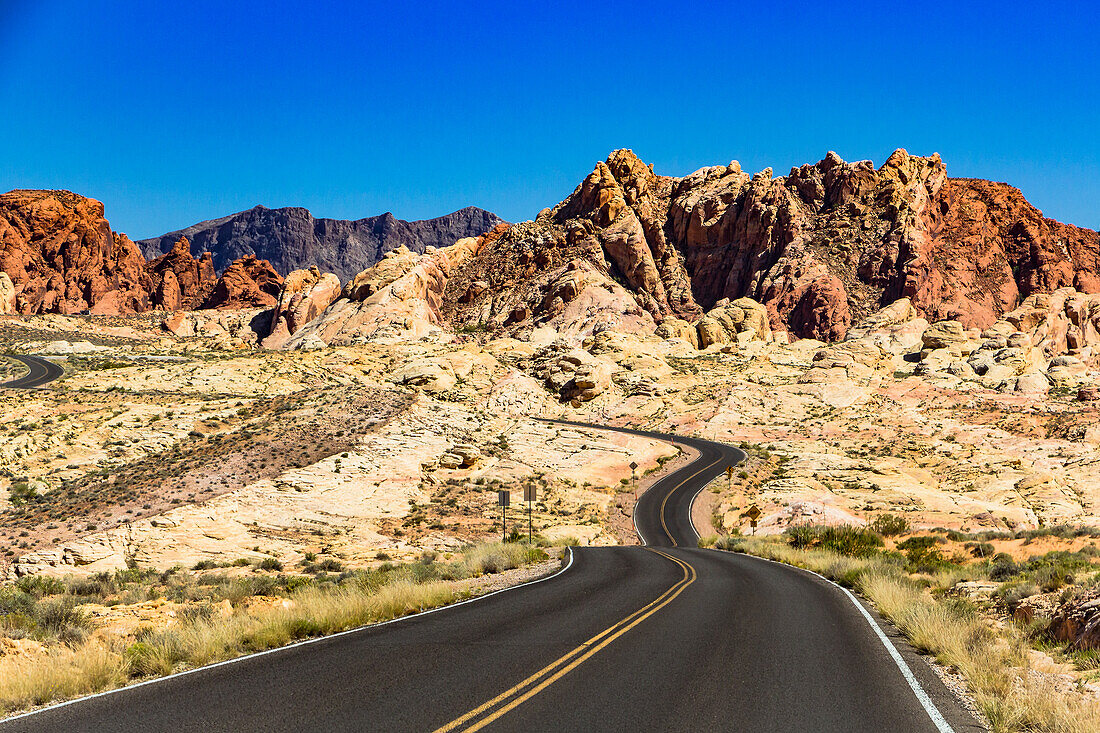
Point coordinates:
[(1051, 339), (821, 249), (180, 282), (233, 329), (62, 256), (400, 297), (304, 296), (248, 283), (292, 239), (7, 294), (1078, 621), (897, 328)]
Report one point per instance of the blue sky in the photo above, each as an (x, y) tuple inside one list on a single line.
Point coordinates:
[(174, 113)]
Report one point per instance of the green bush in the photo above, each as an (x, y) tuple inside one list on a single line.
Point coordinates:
[(1003, 567), (843, 539), (980, 549), (922, 554), (328, 565), (889, 525), (730, 543), (62, 618), (270, 563)]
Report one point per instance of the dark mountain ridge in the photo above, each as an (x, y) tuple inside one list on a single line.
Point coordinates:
[(291, 238)]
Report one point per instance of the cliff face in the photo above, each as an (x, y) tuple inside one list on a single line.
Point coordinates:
[(59, 254), (292, 239), (821, 248), (62, 256), (180, 282)]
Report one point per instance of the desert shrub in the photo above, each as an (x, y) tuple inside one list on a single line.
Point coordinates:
[(889, 525), (14, 601), (99, 585), (1052, 577), (40, 585), (729, 543), (1003, 567), (270, 563), (980, 549), (800, 536), (922, 554), (328, 565), (1010, 594), (843, 539), (61, 618)]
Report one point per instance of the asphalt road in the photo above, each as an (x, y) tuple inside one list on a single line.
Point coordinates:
[(623, 639), (40, 371)]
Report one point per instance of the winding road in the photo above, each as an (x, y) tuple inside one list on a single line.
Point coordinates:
[(665, 637), (39, 372)]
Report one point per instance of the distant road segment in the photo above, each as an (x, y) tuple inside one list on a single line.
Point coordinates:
[(40, 371)]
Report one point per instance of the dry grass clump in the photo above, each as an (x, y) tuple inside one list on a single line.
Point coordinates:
[(312, 608), (495, 557), (995, 665)]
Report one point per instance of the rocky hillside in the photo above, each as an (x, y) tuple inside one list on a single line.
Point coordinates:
[(59, 255), (292, 239), (821, 248)]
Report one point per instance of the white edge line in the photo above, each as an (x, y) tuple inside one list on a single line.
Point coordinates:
[(914, 684), (304, 642), (634, 518)]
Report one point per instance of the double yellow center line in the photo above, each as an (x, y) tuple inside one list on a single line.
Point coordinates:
[(515, 696), (664, 503)]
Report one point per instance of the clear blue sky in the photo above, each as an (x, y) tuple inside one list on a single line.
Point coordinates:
[(174, 113)]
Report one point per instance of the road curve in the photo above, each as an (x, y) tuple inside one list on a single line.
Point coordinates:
[(39, 372), (625, 639), (663, 514)]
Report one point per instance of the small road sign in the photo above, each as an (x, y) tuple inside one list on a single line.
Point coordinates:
[(504, 498), (530, 495), (633, 465), (753, 513), (729, 471)]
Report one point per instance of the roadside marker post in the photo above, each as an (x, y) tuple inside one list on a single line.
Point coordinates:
[(530, 494), (729, 478), (634, 478), (753, 513), (504, 498)]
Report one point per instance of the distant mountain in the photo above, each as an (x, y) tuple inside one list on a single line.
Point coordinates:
[(291, 238)]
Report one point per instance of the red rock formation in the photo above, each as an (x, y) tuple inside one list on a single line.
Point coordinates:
[(821, 248), (180, 282), (247, 283), (304, 296), (62, 257)]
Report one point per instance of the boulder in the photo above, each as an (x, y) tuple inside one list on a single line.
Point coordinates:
[(1077, 621), (1088, 394), (7, 295), (574, 374), (672, 327), (944, 335), (1032, 383), (741, 321), (428, 374), (247, 283), (305, 294)]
